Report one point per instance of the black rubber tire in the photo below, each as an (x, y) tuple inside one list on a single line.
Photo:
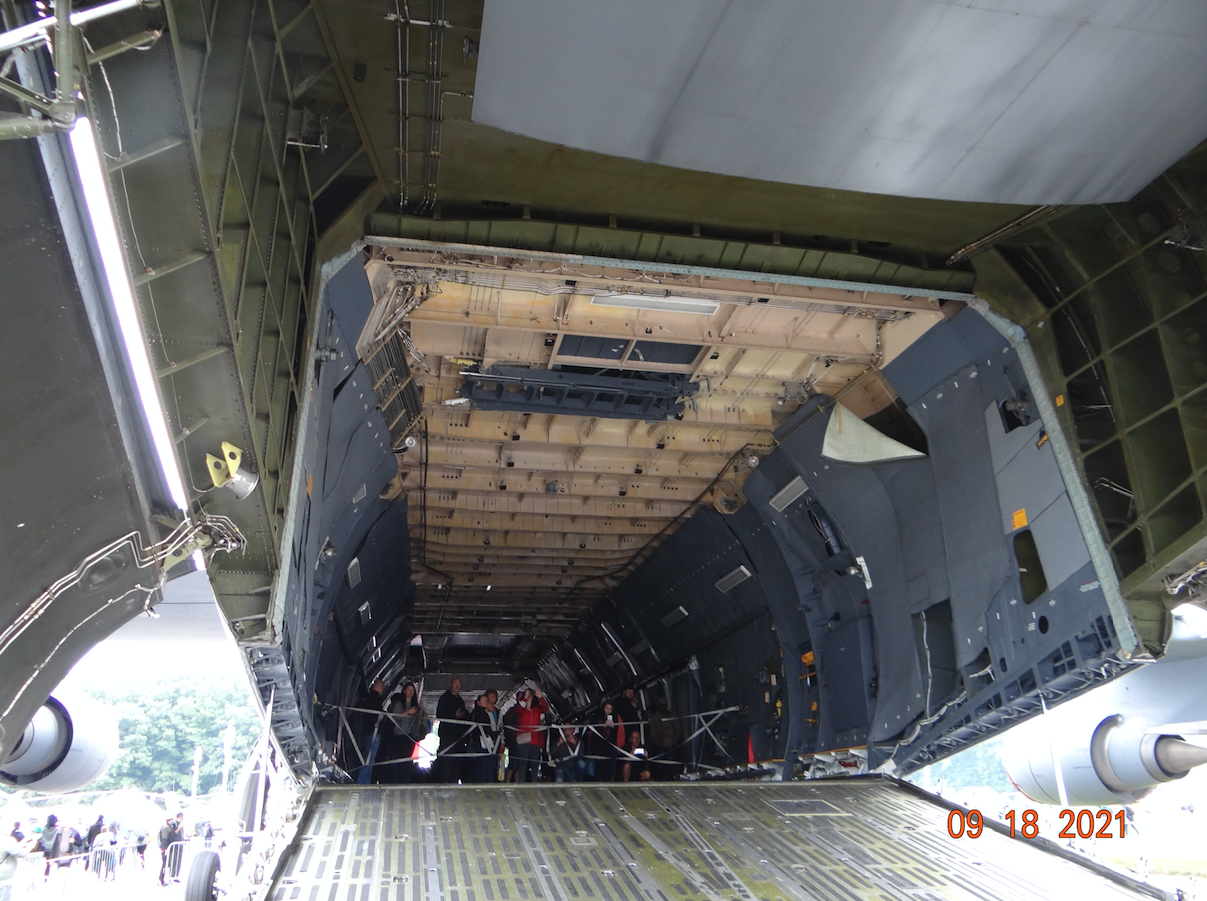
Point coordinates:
[(203, 874)]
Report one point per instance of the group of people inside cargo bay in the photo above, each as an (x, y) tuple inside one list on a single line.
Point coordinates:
[(481, 741)]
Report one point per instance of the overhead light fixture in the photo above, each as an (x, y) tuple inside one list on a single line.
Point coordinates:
[(664, 304), (674, 616), (730, 580), (786, 495), (24, 35), (121, 293)]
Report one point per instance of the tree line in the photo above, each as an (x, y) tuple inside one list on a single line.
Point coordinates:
[(161, 725)]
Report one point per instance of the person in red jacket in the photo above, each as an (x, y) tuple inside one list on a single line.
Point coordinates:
[(530, 734)]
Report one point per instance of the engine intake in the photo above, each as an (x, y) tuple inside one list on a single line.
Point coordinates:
[(62, 751)]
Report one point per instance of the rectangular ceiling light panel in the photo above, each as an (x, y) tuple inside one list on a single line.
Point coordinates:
[(735, 578), (788, 494), (662, 304), (674, 616)]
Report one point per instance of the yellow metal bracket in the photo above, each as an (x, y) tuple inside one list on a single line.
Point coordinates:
[(222, 469)]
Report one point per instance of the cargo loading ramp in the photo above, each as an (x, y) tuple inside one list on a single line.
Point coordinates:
[(861, 838)]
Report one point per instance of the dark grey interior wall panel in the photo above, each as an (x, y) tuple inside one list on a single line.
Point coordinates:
[(1031, 480), (953, 374), (721, 649), (911, 488), (1062, 549), (350, 298), (789, 583), (872, 524), (1028, 101), (978, 562), (852, 670), (347, 465)]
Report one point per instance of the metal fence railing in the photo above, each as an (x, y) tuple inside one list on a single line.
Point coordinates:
[(115, 868), (172, 861), (596, 751)]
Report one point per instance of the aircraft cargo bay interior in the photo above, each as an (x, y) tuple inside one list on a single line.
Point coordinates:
[(808, 392)]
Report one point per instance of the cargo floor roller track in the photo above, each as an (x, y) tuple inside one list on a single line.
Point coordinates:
[(816, 841)]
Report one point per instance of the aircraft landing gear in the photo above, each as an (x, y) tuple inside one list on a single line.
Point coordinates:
[(202, 884)]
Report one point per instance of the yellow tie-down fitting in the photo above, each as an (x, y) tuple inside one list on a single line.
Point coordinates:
[(225, 473)]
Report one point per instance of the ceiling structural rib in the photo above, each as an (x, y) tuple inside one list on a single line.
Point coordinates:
[(533, 484), (541, 502), (581, 485)]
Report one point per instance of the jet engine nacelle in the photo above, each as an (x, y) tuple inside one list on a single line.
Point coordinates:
[(61, 750), (1121, 762)]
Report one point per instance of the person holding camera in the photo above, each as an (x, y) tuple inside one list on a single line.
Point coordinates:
[(530, 734)]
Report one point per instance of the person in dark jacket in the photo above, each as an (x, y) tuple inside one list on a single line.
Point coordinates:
[(407, 727), (628, 708), (50, 842), (484, 740), (606, 739), (93, 831), (449, 710), (170, 833), (370, 729), (510, 724)]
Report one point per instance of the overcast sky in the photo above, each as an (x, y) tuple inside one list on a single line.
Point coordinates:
[(188, 637)]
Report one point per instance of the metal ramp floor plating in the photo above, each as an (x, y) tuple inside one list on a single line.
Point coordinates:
[(811, 841)]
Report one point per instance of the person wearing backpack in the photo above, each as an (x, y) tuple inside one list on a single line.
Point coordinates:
[(50, 842)]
